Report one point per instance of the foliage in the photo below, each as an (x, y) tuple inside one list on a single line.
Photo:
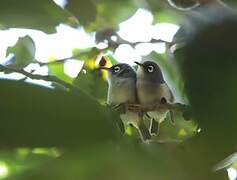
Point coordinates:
[(43, 15), (67, 131), (24, 51)]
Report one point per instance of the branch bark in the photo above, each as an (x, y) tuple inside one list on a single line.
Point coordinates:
[(185, 110), (36, 76), (177, 107)]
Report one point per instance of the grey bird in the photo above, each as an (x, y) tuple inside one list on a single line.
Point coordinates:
[(152, 89), (122, 90)]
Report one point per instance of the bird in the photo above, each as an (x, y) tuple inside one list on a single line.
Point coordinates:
[(121, 91), (152, 89)]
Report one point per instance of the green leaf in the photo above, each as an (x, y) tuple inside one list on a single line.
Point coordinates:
[(167, 16), (43, 15), (85, 54), (116, 162), (57, 69), (83, 10), (105, 162), (92, 83), (24, 51), (231, 3), (111, 13), (20, 160), (35, 116)]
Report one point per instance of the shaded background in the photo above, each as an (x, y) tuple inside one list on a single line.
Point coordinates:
[(50, 132)]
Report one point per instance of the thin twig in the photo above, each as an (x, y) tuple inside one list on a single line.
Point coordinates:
[(133, 44), (120, 41), (56, 61), (36, 76), (78, 55)]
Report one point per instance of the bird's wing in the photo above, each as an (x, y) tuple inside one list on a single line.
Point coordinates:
[(165, 92)]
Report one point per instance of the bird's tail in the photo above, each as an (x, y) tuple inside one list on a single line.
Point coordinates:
[(143, 130)]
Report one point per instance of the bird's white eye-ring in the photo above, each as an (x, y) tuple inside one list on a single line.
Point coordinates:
[(116, 69), (150, 68)]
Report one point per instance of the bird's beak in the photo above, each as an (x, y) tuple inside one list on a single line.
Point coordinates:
[(104, 68), (139, 64)]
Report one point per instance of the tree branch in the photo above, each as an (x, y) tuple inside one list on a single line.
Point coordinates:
[(178, 107), (175, 107), (122, 41), (57, 61), (49, 78), (112, 44)]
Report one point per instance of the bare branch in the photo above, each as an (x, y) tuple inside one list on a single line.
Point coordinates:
[(122, 41), (112, 45), (56, 61), (49, 78)]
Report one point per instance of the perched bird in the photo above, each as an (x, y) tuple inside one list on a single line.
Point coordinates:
[(152, 89), (122, 90)]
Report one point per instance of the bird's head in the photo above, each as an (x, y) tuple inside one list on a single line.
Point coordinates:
[(149, 71), (121, 70)]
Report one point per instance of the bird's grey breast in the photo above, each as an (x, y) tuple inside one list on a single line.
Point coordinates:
[(122, 90), (151, 93)]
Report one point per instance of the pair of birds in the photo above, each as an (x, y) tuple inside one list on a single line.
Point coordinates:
[(146, 86)]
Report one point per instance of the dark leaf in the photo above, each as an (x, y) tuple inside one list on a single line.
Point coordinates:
[(208, 65), (107, 162), (43, 15), (83, 10), (111, 13), (35, 116)]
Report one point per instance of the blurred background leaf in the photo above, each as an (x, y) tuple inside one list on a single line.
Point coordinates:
[(57, 69), (208, 68), (110, 13), (43, 15), (50, 117), (24, 52), (83, 10), (65, 134)]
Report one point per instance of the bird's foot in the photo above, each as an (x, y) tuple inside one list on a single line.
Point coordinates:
[(135, 107), (121, 108), (154, 127), (163, 100), (144, 132), (172, 118)]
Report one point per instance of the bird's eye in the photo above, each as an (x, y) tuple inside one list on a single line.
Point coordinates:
[(116, 69), (150, 68)]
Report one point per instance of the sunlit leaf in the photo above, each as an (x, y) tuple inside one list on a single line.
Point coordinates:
[(20, 160), (167, 16), (57, 69), (24, 52)]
